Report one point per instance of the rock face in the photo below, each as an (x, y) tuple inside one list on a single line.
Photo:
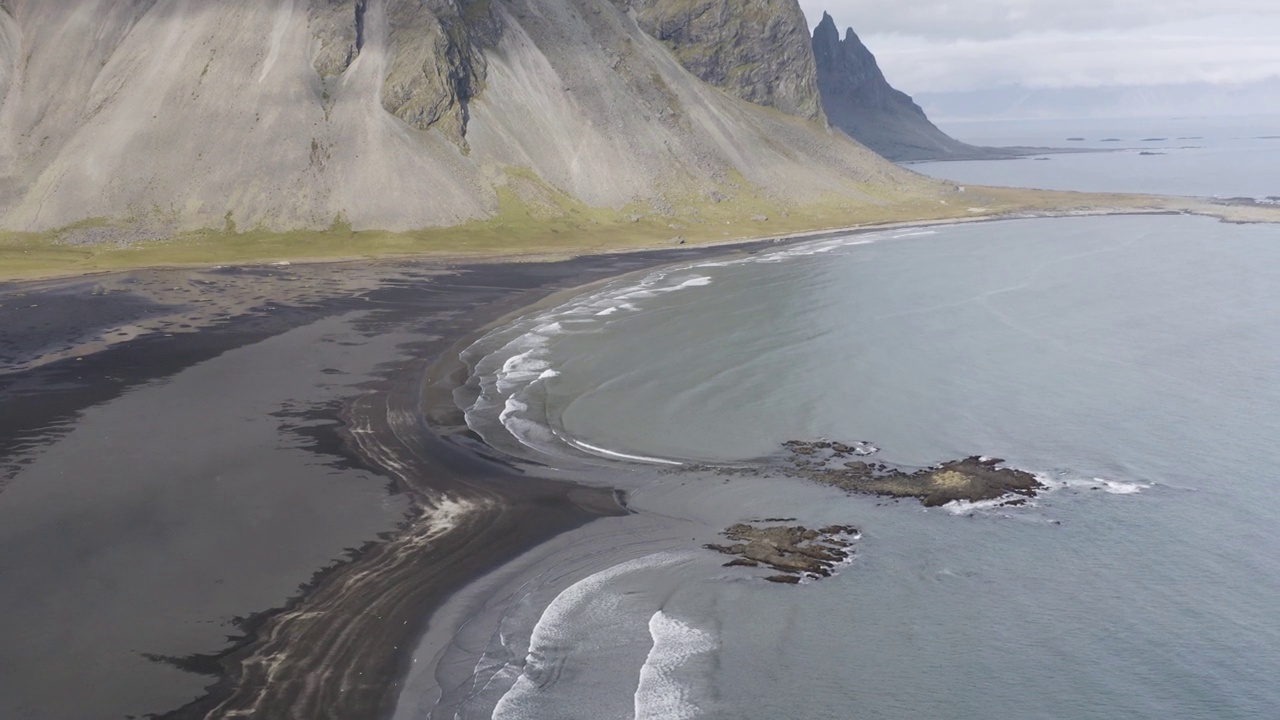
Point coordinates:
[(795, 551), (9, 48), (338, 26), (404, 114), (437, 66), (859, 101), (971, 479), (758, 50)]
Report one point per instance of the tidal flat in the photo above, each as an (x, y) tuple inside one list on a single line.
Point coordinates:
[(249, 489), (221, 489)]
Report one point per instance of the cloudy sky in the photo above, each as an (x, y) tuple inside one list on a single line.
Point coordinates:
[(937, 45)]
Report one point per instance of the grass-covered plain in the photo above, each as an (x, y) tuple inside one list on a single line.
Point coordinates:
[(536, 222)]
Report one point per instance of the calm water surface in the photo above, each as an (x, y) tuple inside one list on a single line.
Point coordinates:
[(1131, 361), (1222, 157)]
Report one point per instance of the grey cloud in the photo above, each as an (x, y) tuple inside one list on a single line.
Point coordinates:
[(1055, 60), (989, 19), (935, 46)]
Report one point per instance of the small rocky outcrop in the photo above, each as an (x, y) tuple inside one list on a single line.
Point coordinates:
[(338, 27), (435, 62), (794, 551), (758, 50), (1269, 201), (861, 102), (437, 66), (971, 479)]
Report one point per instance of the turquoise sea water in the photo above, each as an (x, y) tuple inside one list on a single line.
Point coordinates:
[(1130, 361)]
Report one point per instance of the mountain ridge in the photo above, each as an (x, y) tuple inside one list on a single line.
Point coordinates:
[(287, 114), (266, 130), (861, 102)]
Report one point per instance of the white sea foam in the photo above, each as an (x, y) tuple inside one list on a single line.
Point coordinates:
[(514, 361), (596, 450), (660, 694), (547, 647), (805, 250), (1063, 481), (862, 448), (1113, 487), (838, 566), (509, 377), (694, 282), (965, 507), (1051, 484), (521, 369), (530, 433), (511, 407)]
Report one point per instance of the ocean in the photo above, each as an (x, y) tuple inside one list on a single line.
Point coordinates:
[(1129, 361), (1209, 157)]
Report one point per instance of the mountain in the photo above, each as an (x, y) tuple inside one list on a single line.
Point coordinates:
[(407, 114), (859, 101), (757, 50)]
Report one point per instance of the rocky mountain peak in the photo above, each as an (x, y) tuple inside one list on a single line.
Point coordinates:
[(847, 66), (827, 26), (860, 101)]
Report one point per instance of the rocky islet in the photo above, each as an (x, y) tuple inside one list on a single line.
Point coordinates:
[(971, 479), (796, 552)]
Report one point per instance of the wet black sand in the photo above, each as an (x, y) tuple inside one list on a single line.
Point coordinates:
[(169, 493)]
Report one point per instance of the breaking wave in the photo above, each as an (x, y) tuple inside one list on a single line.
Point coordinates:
[(578, 616), (1051, 485), (511, 368), (661, 695)]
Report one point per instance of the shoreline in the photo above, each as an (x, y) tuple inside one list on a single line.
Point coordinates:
[(507, 510), (1047, 204), (425, 567), (381, 427), (21, 287)]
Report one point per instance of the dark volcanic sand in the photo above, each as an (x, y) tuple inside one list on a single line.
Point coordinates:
[(242, 433)]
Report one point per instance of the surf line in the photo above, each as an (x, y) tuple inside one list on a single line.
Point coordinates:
[(586, 447)]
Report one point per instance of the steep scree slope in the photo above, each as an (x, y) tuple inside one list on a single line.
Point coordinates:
[(388, 114)]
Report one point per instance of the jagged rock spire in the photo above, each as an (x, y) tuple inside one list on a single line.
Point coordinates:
[(860, 101)]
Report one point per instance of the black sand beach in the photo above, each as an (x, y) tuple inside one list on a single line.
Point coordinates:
[(244, 490)]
